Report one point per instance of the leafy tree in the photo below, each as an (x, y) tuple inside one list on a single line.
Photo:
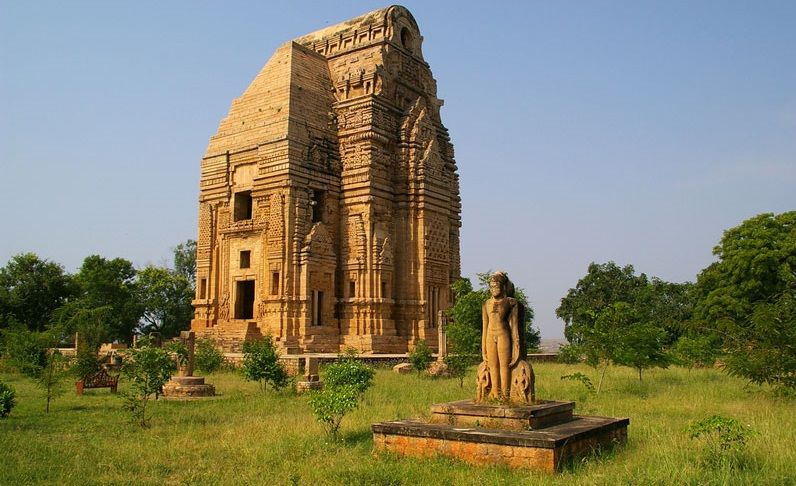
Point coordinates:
[(33, 355), (185, 261), (344, 384), (111, 283), (166, 300), (421, 356), (261, 363), (31, 289), (51, 376), (642, 347), (89, 324), (457, 366), (7, 399), (147, 368), (696, 350), (614, 315), (207, 357), (26, 350), (748, 299), (604, 285)]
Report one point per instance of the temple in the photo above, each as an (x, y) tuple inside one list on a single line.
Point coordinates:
[(329, 207)]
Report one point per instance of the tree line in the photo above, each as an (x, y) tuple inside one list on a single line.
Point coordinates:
[(107, 299), (740, 311)]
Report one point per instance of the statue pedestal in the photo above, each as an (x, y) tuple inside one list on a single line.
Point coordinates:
[(544, 436), (187, 387), (466, 413)]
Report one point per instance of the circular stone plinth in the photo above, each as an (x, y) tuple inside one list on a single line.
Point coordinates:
[(186, 387)]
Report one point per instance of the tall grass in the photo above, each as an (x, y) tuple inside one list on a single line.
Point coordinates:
[(244, 436)]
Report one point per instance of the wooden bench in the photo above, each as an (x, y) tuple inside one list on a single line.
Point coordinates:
[(100, 379)]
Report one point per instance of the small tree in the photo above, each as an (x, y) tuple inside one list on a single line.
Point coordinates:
[(691, 351), (89, 324), (457, 366), (207, 357), (345, 383), (421, 357), (51, 376), (7, 399), (261, 364), (641, 347), (33, 355), (148, 368)]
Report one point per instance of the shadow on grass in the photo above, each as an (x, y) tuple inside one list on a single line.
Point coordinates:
[(595, 457), (359, 437)]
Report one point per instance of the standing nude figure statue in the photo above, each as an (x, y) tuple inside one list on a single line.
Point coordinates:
[(504, 371)]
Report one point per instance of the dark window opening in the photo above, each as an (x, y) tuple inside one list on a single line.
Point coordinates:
[(243, 206), (317, 307), (406, 39), (245, 258), (275, 283), (244, 299), (432, 305), (316, 204), (352, 289), (384, 290), (203, 288)]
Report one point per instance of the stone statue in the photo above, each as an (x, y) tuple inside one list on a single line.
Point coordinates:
[(504, 373)]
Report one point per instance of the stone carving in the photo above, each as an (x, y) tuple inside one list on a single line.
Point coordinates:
[(504, 373), (223, 308)]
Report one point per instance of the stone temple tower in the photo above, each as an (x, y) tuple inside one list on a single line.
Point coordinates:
[(329, 207)]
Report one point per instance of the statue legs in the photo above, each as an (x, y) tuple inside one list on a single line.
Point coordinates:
[(498, 355)]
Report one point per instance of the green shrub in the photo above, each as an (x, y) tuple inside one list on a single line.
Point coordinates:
[(344, 384), (330, 405), (724, 440), (207, 357), (148, 368), (421, 356), (7, 399), (261, 364), (349, 372)]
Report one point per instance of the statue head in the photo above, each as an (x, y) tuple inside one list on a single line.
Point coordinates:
[(500, 285)]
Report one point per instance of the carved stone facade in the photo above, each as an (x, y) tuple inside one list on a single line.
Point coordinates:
[(329, 207)]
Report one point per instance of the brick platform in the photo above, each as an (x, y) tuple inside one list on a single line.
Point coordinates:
[(548, 448)]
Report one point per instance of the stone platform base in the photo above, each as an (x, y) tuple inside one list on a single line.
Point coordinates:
[(547, 448), (466, 413), (187, 387), (305, 386)]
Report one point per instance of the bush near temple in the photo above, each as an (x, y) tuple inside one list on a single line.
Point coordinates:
[(207, 357), (261, 363), (344, 384), (420, 357)]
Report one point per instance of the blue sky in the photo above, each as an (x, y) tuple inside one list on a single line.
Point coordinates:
[(584, 131)]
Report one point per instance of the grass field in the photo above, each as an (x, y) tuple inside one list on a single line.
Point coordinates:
[(246, 437)]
